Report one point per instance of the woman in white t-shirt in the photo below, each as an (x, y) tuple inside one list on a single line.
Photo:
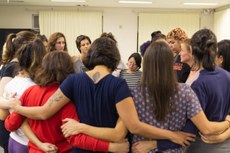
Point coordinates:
[(29, 57)]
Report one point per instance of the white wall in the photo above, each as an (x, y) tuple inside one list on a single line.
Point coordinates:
[(15, 17), (122, 22), (207, 20), (222, 24)]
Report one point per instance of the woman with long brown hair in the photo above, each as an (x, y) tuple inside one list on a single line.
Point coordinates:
[(9, 70), (57, 41), (163, 102)]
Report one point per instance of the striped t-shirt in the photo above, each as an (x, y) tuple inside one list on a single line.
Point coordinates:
[(132, 79)]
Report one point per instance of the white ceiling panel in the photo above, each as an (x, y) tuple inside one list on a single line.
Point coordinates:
[(114, 3)]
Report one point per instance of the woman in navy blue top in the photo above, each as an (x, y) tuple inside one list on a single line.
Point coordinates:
[(100, 97), (223, 60), (212, 89)]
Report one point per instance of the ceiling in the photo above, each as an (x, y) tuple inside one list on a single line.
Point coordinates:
[(114, 3)]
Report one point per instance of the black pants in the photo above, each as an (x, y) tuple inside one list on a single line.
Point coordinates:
[(4, 137)]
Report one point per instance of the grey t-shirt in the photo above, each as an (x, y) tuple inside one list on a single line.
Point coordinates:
[(79, 67)]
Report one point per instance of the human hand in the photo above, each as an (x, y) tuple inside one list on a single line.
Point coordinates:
[(215, 138), (121, 147), (227, 118), (71, 127), (48, 148), (183, 138), (143, 146), (14, 102)]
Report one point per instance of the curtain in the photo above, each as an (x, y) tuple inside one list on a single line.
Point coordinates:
[(165, 22), (221, 24), (71, 24)]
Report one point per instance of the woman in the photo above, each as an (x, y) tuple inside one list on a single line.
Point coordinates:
[(211, 86), (132, 75), (29, 58), (162, 102), (222, 60), (57, 41), (175, 37), (83, 44), (48, 78), (100, 97), (121, 66), (157, 35), (186, 52), (8, 71), (223, 54), (187, 57)]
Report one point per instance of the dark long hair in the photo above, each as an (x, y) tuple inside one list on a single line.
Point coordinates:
[(14, 42), (30, 57), (204, 48), (224, 51), (158, 77)]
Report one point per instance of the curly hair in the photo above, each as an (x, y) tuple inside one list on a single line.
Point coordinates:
[(177, 34)]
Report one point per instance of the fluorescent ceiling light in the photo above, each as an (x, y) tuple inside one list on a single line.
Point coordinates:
[(136, 2), (201, 4), (73, 1)]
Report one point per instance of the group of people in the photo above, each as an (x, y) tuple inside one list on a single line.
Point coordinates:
[(52, 102)]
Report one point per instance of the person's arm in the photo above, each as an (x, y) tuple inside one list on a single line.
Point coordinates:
[(128, 114), (82, 141), (4, 104), (52, 106), (197, 116), (13, 121), (143, 146), (206, 127), (216, 138), (166, 144), (3, 82), (86, 142), (46, 147), (116, 134), (3, 114)]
